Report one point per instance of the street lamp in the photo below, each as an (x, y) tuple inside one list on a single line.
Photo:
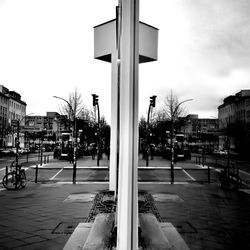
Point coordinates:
[(74, 134), (173, 113), (151, 105), (96, 103)]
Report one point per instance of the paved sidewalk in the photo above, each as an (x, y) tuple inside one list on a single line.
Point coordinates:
[(29, 217), (206, 216)]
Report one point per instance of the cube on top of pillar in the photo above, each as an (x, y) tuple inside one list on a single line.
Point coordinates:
[(105, 41)]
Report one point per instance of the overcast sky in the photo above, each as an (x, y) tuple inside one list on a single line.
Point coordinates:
[(46, 49)]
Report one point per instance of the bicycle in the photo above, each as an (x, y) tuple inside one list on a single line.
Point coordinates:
[(14, 179)]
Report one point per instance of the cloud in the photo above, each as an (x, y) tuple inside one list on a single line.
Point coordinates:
[(219, 34)]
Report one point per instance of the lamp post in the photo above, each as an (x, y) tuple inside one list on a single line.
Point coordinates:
[(96, 103), (173, 113), (151, 105), (74, 134)]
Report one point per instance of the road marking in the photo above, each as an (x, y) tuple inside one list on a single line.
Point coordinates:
[(106, 182), (162, 182), (82, 182), (90, 167), (2, 189), (190, 176), (175, 168), (2, 169), (53, 177), (244, 172)]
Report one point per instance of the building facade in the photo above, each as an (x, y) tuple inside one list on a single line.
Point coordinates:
[(234, 122), (46, 128), (12, 108), (202, 131)]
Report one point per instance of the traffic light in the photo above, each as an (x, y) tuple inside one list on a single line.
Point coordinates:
[(152, 100), (95, 99)]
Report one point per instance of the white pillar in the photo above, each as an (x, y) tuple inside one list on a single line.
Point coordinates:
[(127, 224), (114, 124)]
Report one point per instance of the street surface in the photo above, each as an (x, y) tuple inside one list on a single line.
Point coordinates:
[(157, 171), (41, 216)]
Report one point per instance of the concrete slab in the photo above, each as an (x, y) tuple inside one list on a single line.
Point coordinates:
[(173, 236), (79, 237), (85, 197), (100, 232), (161, 197), (152, 235)]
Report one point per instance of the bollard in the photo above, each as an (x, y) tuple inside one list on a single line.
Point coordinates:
[(6, 172), (36, 173), (44, 159), (27, 157), (208, 174), (48, 159)]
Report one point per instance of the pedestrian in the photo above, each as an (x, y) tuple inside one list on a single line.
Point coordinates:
[(93, 151), (70, 154)]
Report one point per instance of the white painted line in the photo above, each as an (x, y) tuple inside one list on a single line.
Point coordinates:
[(2, 169), (95, 167), (202, 166), (217, 170), (39, 166), (175, 168), (53, 177), (247, 191), (190, 176), (83, 182), (106, 182), (244, 172), (2, 189), (162, 182)]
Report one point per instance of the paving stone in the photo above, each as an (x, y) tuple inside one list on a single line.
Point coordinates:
[(11, 243), (33, 239)]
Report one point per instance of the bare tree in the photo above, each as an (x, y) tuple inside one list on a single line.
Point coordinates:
[(73, 107), (172, 109)]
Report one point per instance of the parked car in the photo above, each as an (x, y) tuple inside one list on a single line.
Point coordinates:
[(223, 152), (5, 151), (24, 150)]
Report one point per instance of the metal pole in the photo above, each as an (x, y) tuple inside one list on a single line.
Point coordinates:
[(17, 147), (6, 172), (173, 113), (74, 156), (172, 150), (74, 135), (41, 149), (208, 174), (36, 173), (98, 136), (147, 134)]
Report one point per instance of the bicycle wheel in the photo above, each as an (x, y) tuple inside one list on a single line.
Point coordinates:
[(23, 180), (9, 181)]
